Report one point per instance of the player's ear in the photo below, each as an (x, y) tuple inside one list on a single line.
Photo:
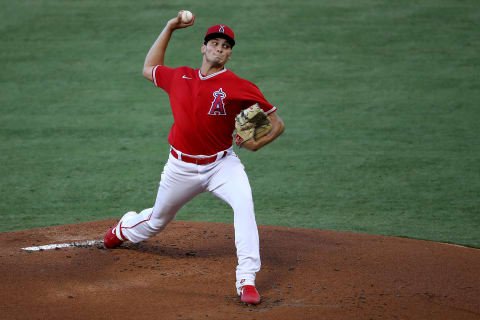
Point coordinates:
[(203, 49)]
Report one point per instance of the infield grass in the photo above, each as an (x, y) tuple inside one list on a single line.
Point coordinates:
[(380, 100)]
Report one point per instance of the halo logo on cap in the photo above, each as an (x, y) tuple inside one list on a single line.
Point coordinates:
[(222, 31)]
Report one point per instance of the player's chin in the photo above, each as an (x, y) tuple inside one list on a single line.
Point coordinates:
[(218, 62)]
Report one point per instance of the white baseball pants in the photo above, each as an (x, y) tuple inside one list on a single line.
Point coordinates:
[(181, 182)]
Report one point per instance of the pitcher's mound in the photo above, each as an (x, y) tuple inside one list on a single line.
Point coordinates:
[(188, 272)]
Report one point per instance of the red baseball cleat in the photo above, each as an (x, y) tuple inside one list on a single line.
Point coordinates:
[(250, 295), (112, 240)]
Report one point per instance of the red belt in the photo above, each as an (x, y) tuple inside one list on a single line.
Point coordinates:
[(199, 161)]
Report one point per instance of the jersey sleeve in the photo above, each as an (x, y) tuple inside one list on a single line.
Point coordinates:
[(252, 95), (162, 77)]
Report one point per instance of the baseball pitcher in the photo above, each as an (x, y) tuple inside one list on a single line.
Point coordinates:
[(208, 105)]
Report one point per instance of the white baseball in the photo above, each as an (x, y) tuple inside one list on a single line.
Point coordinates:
[(186, 16)]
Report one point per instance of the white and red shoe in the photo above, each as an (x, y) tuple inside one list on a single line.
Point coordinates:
[(114, 237), (249, 294)]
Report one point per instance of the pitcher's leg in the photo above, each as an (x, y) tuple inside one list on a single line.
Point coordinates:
[(179, 184), (230, 183)]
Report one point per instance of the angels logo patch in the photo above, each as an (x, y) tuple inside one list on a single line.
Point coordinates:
[(218, 107)]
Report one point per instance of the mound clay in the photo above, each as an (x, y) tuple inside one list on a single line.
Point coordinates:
[(188, 272)]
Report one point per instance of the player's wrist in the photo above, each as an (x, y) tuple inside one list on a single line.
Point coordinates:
[(250, 144), (172, 24)]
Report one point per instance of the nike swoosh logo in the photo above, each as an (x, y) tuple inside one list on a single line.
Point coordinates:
[(185, 77)]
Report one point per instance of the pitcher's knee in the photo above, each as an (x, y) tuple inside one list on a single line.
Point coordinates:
[(156, 225), (242, 202)]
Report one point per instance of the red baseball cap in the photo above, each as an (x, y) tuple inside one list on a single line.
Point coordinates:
[(220, 31)]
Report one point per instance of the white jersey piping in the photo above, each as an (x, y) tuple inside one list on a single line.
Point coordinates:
[(271, 110), (210, 76), (153, 75)]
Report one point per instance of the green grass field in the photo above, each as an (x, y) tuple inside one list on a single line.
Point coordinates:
[(381, 102)]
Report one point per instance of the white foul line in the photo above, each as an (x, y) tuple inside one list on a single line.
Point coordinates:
[(88, 243)]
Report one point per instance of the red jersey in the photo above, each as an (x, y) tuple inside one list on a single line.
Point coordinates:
[(204, 107)]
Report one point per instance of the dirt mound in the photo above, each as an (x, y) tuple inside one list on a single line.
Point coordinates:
[(188, 272)]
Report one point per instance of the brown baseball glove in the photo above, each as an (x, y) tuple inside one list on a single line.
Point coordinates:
[(250, 123)]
